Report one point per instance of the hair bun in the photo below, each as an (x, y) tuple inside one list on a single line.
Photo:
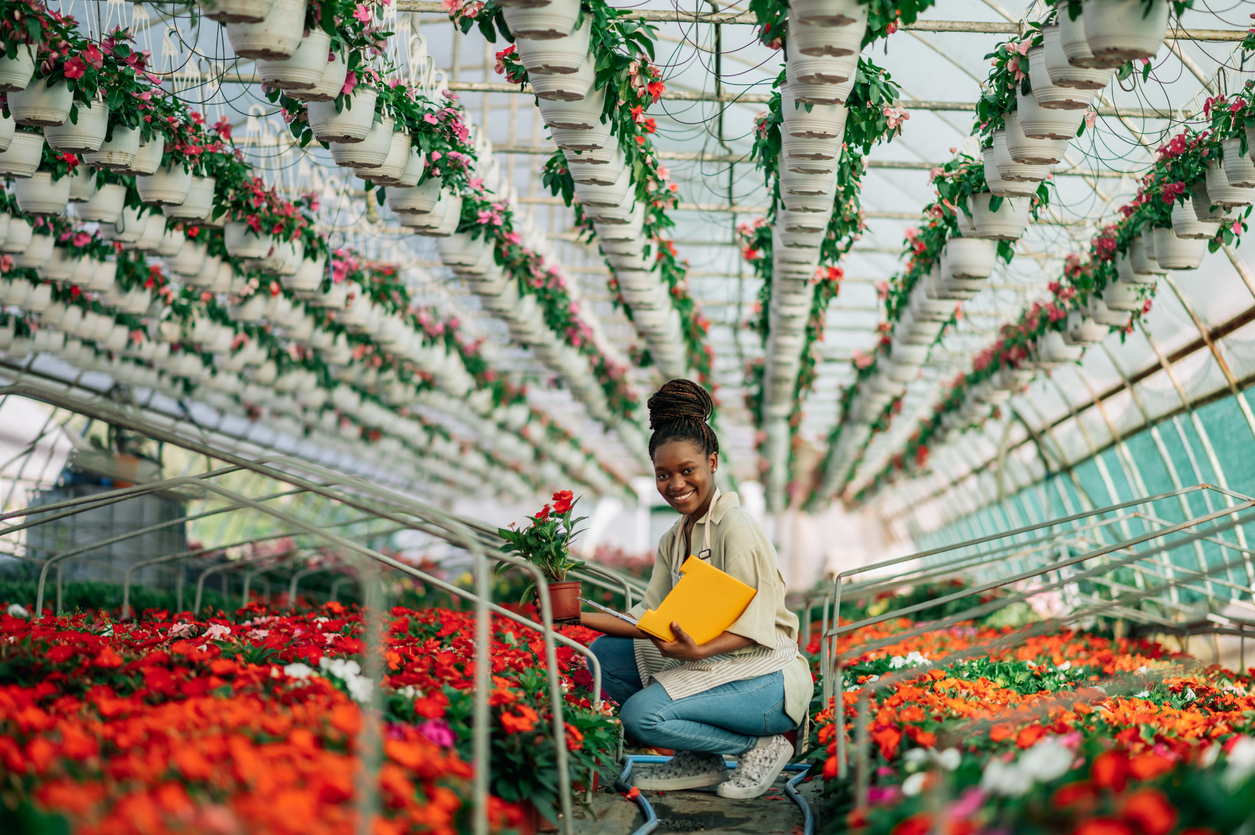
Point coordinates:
[(680, 400)]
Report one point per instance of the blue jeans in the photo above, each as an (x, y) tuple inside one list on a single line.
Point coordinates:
[(728, 719)]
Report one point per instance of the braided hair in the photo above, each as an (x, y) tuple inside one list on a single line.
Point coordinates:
[(681, 409)]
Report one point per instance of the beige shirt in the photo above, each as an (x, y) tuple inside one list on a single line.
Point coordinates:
[(741, 548)]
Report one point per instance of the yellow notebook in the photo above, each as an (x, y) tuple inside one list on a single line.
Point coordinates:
[(705, 603)]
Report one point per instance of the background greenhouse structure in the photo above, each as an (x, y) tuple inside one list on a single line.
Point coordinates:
[(150, 459)]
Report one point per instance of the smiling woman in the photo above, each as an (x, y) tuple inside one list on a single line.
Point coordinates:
[(738, 693)]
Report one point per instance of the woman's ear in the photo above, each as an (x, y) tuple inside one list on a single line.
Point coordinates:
[(714, 461)]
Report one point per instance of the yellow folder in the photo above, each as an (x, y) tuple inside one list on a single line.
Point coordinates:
[(705, 603)]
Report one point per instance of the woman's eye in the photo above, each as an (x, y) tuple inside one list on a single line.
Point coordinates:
[(688, 471)]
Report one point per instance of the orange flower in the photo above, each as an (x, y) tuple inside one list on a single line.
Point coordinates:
[(1149, 766), (522, 723), (1110, 770), (1103, 826), (1149, 810)]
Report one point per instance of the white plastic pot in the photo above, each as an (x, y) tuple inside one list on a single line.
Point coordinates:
[(620, 215), (1173, 253), (60, 265), (419, 199), (1009, 169), (151, 237), (23, 155), (804, 222), (605, 196), (190, 258), (18, 236), (390, 171), (551, 21), (1061, 71), (1128, 272), (1006, 223), (1031, 151), (1049, 95), (443, 220), (118, 152), (998, 184), (823, 69), (308, 277), (273, 38), (1103, 314), (329, 84), (625, 229), (284, 259), (236, 11), (104, 274), (303, 70), (351, 124), (1122, 296), (816, 93), (5, 220), (39, 194), (1039, 123), (198, 203), (1185, 222), (1142, 255), (36, 254), (818, 39), (823, 121), (1072, 38), (241, 242), (1202, 204), (371, 151), (7, 128), (81, 138), (795, 202), (167, 186), (794, 182), (810, 156), (16, 70), (1124, 30), (105, 204), (147, 158), (587, 142), (1238, 167), (969, 258), (555, 56), (415, 164), (1223, 194), (82, 184), (599, 175), (172, 241), (578, 114), (1083, 330), (566, 87), (40, 105)]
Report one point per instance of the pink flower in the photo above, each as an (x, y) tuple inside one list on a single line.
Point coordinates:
[(75, 68), (363, 13), (350, 81), (92, 56)]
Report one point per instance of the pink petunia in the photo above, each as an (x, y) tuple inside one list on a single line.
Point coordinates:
[(363, 13)]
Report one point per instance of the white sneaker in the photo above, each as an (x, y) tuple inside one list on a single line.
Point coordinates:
[(758, 768), (686, 770)]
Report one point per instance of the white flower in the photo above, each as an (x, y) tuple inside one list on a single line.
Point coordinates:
[(1047, 760), (16, 610), (1240, 764), (1005, 779), (913, 784), (1141, 695), (1067, 665), (912, 659), (298, 670), (1190, 694), (916, 756), (1142, 670), (216, 631), (360, 688), (949, 759)]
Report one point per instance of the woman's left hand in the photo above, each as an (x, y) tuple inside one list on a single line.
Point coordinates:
[(683, 648)]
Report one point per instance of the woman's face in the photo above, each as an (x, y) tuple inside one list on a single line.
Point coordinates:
[(685, 475)]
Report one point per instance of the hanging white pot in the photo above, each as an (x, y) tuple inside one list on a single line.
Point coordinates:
[(352, 124), (461, 250), (273, 38), (419, 199), (197, 204), (1072, 37), (1185, 222), (85, 136), (84, 271), (330, 83), (415, 164), (308, 277), (1223, 194), (806, 202), (207, 275), (1081, 329), (621, 214), (1173, 253), (566, 87), (583, 113), (1203, 208), (820, 122), (1060, 69), (816, 93), (190, 258), (250, 310), (371, 151), (5, 220), (60, 265), (8, 127), (21, 159), (629, 227), (1031, 151), (41, 105), (551, 21), (39, 194), (118, 152), (443, 220), (611, 195), (150, 237), (794, 182), (18, 236), (819, 39), (823, 69), (1238, 167), (284, 259), (971, 258), (1039, 123), (1005, 223), (105, 205), (1124, 30), (167, 186), (36, 254), (998, 184), (1009, 169), (1103, 314), (599, 175), (172, 241), (805, 222), (1122, 296), (303, 70), (389, 173), (242, 242), (1142, 255), (16, 70), (564, 56), (810, 156), (235, 11), (82, 184), (1128, 272), (1049, 95), (147, 158), (590, 146)]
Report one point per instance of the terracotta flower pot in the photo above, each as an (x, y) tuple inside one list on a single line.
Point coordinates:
[(563, 602)]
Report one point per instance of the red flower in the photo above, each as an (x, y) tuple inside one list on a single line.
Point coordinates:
[(563, 501), (1149, 810), (75, 68), (543, 514)]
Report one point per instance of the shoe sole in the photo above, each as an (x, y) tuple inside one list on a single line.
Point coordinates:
[(697, 781), (733, 793)]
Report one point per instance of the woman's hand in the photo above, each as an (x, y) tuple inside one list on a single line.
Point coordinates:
[(683, 648)]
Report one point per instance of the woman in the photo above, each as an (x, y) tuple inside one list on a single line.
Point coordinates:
[(738, 693)]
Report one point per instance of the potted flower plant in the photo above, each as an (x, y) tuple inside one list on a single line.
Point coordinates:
[(24, 26), (545, 543)]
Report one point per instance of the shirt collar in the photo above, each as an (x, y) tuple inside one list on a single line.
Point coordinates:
[(727, 501)]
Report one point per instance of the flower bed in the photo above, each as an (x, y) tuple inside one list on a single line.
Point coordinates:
[(248, 723), (1069, 732)]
